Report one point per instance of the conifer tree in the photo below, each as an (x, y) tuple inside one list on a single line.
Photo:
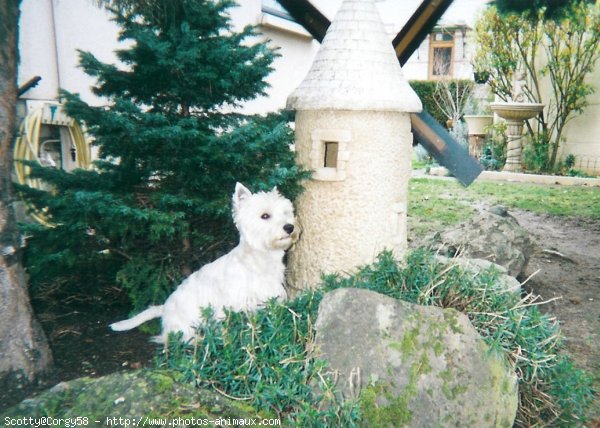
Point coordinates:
[(157, 204)]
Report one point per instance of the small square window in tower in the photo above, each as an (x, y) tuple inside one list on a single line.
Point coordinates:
[(329, 154)]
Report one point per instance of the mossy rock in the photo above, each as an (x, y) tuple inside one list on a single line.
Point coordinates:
[(492, 235), (130, 396), (411, 365)]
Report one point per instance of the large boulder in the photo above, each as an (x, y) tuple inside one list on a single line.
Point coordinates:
[(493, 235), (411, 365)]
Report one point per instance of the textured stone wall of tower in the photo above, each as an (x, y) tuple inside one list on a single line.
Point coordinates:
[(353, 131)]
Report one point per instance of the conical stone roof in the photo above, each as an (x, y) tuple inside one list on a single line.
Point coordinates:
[(356, 67)]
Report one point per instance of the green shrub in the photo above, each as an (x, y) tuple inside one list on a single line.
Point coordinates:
[(266, 358), (157, 204), (535, 156), (493, 152), (565, 167)]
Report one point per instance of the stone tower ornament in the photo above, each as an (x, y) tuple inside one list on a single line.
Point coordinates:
[(353, 131)]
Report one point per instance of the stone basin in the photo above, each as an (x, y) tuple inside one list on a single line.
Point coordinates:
[(477, 123), (516, 111)]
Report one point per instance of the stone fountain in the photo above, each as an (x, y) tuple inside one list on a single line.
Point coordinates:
[(515, 113)]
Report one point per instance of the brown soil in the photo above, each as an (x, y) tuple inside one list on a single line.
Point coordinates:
[(567, 262), (83, 345)]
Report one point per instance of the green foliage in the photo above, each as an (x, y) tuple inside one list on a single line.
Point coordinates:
[(493, 152), (267, 359), (571, 387), (551, 9), (425, 90), (558, 52), (566, 167), (157, 204), (569, 161), (535, 156)]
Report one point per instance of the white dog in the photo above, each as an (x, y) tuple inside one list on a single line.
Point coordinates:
[(243, 279)]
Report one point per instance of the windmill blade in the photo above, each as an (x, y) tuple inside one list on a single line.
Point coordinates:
[(418, 26), (444, 148), (308, 16), (434, 137)]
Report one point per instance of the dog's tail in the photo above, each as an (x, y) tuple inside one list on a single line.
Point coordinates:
[(150, 313)]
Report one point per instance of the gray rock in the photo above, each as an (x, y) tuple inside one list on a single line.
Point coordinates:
[(411, 365), (476, 266), (493, 235)]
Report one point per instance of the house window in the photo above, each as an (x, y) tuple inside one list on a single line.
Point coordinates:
[(441, 55)]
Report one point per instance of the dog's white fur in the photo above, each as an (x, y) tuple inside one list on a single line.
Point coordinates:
[(243, 279)]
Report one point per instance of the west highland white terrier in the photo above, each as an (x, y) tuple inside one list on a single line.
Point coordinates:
[(242, 280)]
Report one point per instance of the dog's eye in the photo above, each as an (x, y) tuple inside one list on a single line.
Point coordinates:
[(265, 216)]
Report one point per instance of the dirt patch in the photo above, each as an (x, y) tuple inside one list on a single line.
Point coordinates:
[(567, 262), (83, 345)]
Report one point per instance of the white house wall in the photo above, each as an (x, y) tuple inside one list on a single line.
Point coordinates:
[(37, 49), (294, 45), (417, 66), (581, 133), (51, 33)]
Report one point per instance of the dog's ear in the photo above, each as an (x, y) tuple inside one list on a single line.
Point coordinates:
[(241, 193)]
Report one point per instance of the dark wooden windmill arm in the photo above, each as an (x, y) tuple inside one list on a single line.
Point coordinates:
[(308, 16), (444, 148), (418, 26), (434, 137)]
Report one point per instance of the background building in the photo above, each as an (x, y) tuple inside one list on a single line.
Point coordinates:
[(52, 32)]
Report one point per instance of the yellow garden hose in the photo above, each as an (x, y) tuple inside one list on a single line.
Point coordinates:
[(27, 147)]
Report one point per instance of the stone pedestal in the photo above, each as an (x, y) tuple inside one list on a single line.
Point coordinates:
[(476, 145), (477, 128), (515, 114), (514, 147)]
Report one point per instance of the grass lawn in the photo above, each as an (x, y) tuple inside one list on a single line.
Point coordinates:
[(435, 203)]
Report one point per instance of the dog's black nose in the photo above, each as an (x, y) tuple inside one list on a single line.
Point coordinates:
[(289, 228)]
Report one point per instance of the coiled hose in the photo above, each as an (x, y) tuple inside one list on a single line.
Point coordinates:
[(27, 147)]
